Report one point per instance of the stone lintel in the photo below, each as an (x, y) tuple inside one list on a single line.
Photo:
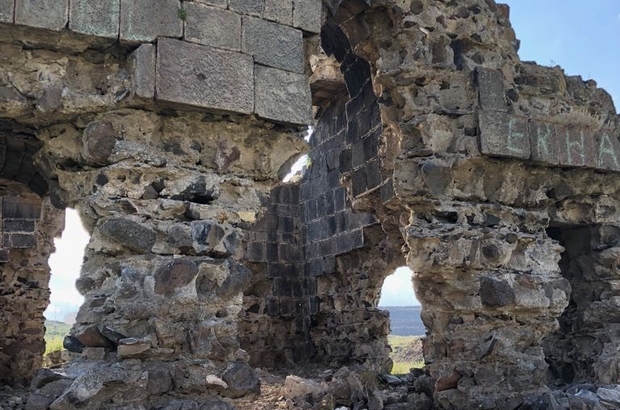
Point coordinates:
[(7, 11), (47, 14), (143, 61), (98, 18), (143, 21), (205, 77), (504, 135), (548, 143), (282, 96)]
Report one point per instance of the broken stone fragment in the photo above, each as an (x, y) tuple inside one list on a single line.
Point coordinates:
[(133, 348), (129, 233), (241, 380), (173, 275), (297, 387), (98, 142), (213, 380)]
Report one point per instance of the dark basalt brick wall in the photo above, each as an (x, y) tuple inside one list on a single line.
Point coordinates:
[(310, 224)]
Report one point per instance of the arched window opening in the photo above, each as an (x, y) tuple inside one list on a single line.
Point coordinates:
[(407, 329)]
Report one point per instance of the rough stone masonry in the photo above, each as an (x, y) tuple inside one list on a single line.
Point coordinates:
[(169, 125)]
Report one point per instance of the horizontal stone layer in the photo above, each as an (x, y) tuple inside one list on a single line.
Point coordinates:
[(548, 143)]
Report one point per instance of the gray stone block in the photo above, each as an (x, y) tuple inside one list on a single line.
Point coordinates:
[(7, 8), (143, 71), (218, 3), (544, 141), (282, 96), (307, 15), (576, 146), (492, 92), (212, 26), (48, 14), (273, 44), (280, 11), (99, 18), (255, 7), (203, 76), (608, 152), (504, 135), (145, 20)]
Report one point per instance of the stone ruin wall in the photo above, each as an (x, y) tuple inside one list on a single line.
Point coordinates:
[(493, 178)]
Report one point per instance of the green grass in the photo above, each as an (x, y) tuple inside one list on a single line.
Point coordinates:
[(53, 344), (55, 332), (405, 367), (399, 343)]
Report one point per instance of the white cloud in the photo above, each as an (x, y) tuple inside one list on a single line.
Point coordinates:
[(397, 289), (65, 264)]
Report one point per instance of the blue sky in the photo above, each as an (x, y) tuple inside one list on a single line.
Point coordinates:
[(583, 38)]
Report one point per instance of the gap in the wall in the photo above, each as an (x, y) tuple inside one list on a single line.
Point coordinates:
[(302, 164), (398, 297), (65, 264)]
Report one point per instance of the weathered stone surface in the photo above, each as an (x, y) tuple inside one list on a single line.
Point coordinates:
[(132, 348), (174, 274), (307, 15), (492, 92), (48, 14), (241, 380), (280, 11), (254, 7), (544, 142), (146, 20), (212, 26), (504, 135), (205, 77), (98, 141), (282, 96), (129, 233), (7, 8), (143, 62), (99, 18), (576, 146), (608, 151), (273, 44), (297, 387)]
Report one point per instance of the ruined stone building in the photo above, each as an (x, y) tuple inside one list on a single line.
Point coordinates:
[(169, 125)]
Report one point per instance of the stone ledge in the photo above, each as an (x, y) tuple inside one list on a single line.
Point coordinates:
[(47, 14), (282, 96), (98, 18), (7, 10), (548, 143), (204, 77)]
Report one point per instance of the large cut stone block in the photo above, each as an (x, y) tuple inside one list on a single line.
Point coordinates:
[(204, 76), (48, 14), (280, 11), (98, 18), (143, 71), (504, 135), (212, 26), (255, 7), (544, 141), (282, 96), (608, 151), (491, 89), (307, 15), (576, 146), (145, 20), (273, 44), (7, 7)]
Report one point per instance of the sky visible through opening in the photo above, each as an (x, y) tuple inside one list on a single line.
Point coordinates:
[(582, 38)]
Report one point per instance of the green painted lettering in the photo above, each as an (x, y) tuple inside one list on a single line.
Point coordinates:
[(542, 141)]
